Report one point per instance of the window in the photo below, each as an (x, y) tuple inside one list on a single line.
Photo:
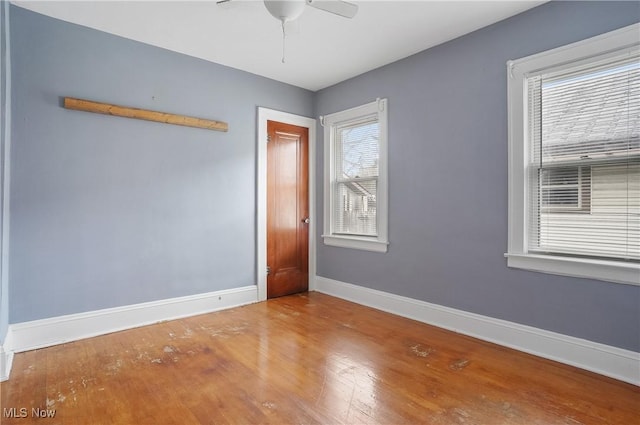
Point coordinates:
[(355, 193), (574, 159), (565, 189)]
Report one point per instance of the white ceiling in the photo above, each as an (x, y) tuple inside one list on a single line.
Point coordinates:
[(321, 49)]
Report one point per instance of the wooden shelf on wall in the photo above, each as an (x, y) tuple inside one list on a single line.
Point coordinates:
[(143, 114)]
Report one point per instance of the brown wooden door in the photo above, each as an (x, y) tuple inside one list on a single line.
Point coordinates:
[(287, 209)]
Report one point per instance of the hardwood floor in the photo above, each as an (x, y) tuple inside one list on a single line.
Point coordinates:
[(304, 359)]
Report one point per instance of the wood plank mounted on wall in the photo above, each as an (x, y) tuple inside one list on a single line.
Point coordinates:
[(143, 114)]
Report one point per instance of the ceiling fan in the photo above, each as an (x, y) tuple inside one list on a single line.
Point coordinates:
[(289, 10)]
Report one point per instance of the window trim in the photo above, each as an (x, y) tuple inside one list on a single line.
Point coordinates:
[(330, 122), (575, 54)]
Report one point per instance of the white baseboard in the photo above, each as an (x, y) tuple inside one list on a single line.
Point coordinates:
[(614, 362), (6, 359), (57, 330)]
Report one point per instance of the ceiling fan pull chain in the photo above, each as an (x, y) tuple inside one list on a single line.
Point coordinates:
[(284, 37)]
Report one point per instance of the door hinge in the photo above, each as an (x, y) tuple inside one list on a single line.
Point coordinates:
[(268, 138), (268, 269)]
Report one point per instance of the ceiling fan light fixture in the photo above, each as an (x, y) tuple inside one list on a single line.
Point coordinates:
[(285, 10), (290, 10)]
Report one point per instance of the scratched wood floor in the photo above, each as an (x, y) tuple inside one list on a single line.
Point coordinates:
[(304, 359)]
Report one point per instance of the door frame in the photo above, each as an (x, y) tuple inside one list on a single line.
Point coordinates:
[(264, 115)]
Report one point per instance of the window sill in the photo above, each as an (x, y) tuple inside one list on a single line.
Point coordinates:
[(609, 271), (366, 244)]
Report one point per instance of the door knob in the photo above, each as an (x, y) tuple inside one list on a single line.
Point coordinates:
[(306, 220)]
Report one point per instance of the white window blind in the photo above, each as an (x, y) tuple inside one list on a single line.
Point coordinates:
[(357, 154), (584, 175)]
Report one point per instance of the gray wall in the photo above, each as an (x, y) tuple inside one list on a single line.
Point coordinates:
[(111, 211), (448, 181), (5, 121)]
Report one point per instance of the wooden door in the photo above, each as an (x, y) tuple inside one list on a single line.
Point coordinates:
[(287, 209)]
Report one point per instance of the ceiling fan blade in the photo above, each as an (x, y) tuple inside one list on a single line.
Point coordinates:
[(337, 7), (226, 4)]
